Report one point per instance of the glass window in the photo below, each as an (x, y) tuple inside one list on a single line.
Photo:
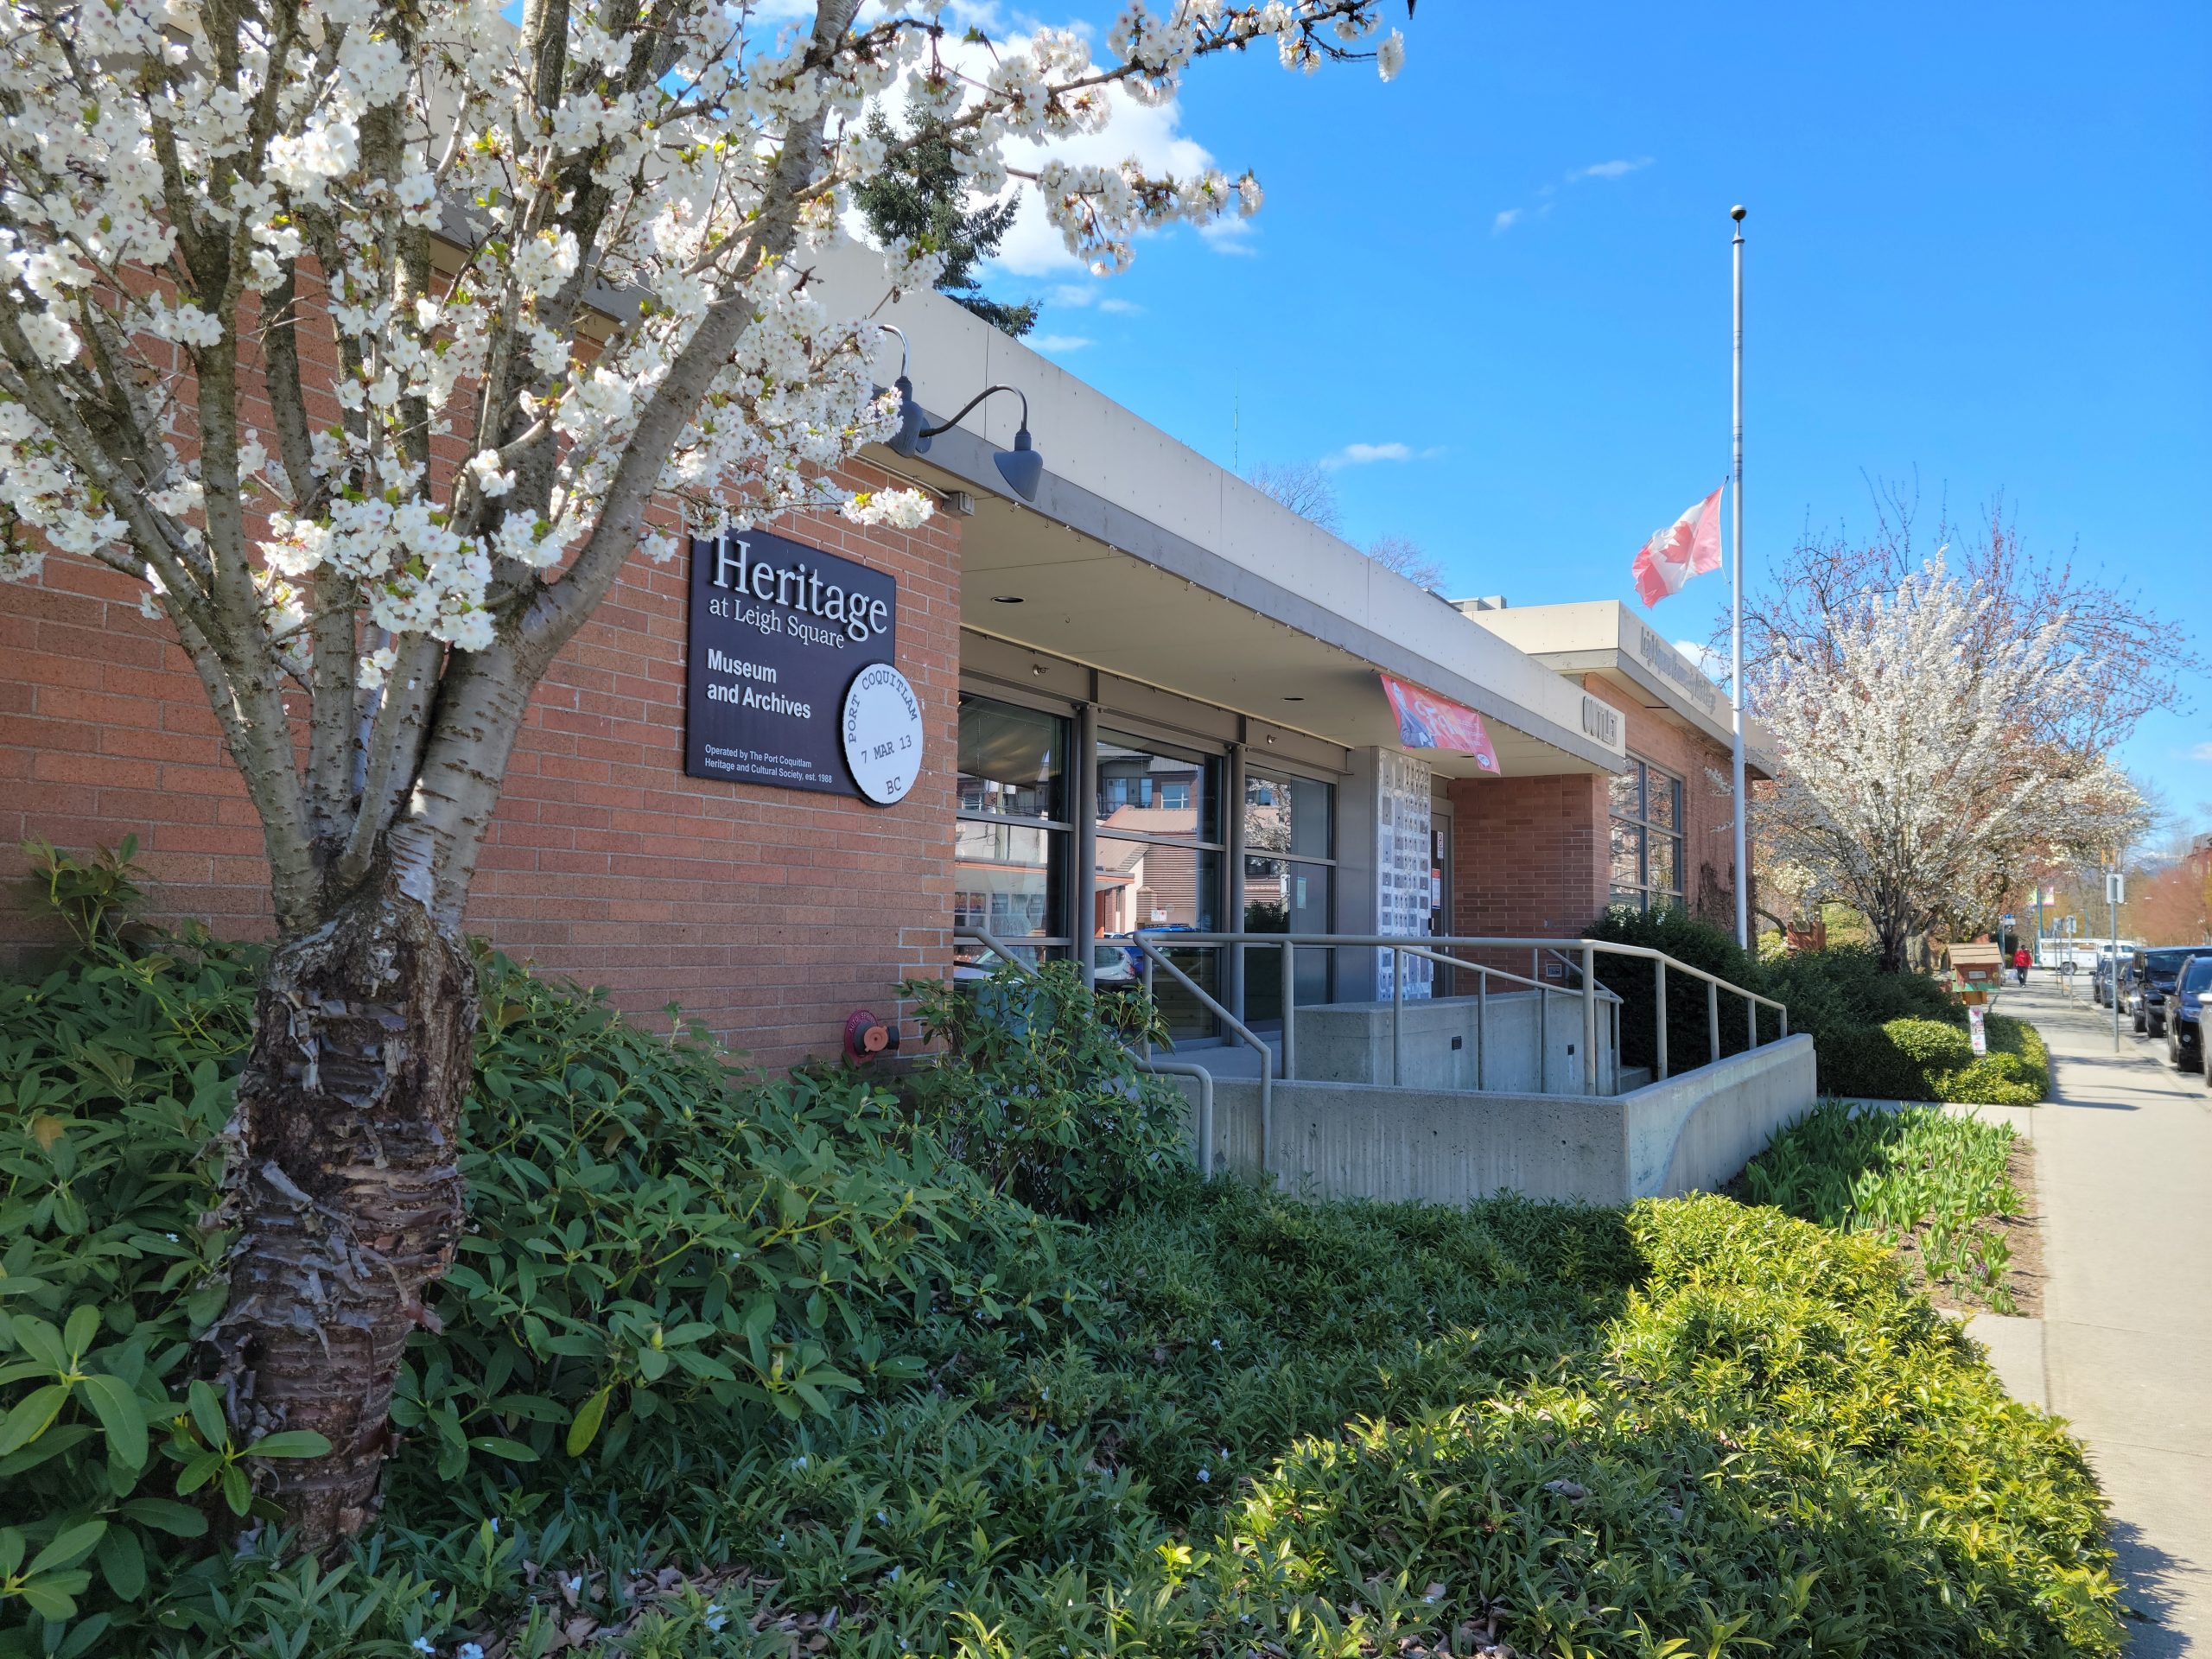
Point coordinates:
[(1145, 792), (1159, 869), (1646, 848), (1290, 884), (1012, 760), (1286, 814), (1012, 839)]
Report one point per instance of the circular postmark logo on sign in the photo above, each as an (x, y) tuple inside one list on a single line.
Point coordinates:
[(882, 730)]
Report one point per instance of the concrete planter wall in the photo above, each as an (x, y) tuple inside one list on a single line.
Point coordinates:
[(1359, 1140)]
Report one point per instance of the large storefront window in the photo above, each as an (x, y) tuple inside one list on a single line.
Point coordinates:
[(1011, 844), (1290, 884), (1159, 831), (1647, 837)]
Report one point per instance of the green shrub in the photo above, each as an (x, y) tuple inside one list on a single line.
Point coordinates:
[(1217, 1420), (770, 1245), (1037, 1090), (119, 1073), (1929, 1043), (1680, 935)]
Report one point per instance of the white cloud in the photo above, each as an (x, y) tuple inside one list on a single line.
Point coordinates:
[(1610, 169), (1508, 218), (1232, 235), (1365, 454), (1710, 663), (2201, 752), (1078, 295), (1057, 342)]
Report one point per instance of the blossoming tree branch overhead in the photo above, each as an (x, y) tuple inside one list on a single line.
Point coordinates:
[(264, 260)]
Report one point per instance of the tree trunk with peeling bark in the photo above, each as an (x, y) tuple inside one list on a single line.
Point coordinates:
[(344, 1187)]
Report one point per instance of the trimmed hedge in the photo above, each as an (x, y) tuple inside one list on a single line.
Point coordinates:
[(1876, 1035)]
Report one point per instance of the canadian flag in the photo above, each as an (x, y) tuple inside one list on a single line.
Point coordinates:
[(1688, 547)]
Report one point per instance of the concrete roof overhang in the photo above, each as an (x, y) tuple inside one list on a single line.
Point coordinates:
[(1142, 559), (1603, 638)]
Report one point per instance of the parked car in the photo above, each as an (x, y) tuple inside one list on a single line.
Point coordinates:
[(2101, 978), (2153, 973), (2185, 1015)]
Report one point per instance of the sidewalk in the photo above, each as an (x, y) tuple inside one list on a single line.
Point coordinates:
[(2124, 1171)]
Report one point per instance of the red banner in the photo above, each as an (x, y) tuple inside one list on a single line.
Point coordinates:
[(1428, 721)]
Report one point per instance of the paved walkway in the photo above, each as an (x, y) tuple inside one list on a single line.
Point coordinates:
[(2124, 1171)]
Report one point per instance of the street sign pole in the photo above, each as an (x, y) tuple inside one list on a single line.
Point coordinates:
[(2115, 891)]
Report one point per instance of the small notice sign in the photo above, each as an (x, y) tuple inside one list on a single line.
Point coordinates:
[(1976, 1026), (779, 634)]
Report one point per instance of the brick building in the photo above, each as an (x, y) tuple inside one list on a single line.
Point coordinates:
[(1151, 698), (1659, 831)]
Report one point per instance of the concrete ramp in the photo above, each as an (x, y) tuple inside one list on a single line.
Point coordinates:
[(1364, 1141)]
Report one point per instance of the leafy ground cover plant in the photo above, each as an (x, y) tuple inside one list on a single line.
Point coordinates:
[(727, 1367), (1933, 1186)]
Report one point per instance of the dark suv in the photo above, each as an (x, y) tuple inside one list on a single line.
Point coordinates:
[(2153, 983), (2185, 1012)]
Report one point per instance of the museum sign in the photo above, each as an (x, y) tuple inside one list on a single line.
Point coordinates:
[(791, 674)]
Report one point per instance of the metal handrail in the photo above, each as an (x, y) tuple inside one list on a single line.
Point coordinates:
[(1585, 950), (1591, 994)]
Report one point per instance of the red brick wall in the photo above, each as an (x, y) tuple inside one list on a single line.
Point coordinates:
[(769, 913), (1530, 855)]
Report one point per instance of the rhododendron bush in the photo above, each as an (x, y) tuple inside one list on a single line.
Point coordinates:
[(574, 249)]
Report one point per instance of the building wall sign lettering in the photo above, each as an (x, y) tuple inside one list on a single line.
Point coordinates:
[(779, 635), (1663, 659), (1600, 721)]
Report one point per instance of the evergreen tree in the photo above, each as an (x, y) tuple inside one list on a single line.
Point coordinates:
[(920, 193)]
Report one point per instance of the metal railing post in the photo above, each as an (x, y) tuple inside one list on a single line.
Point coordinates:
[(1751, 1015), (1150, 1001), (1659, 978), (1289, 1010), (1589, 1018), (1397, 1011), (1544, 1038), (1482, 1026), (1713, 1020)]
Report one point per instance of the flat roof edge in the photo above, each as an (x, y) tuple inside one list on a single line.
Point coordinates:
[(968, 456)]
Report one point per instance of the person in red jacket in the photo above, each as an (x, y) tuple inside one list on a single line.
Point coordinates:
[(2020, 964)]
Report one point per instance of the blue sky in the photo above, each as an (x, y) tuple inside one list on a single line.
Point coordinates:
[(1979, 254)]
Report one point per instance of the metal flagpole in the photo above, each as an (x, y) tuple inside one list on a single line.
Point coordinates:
[(1736, 676)]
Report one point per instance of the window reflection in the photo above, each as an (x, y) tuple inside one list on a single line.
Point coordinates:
[(1146, 792), (1289, 885), (1010, 877), (1646, 842), (1013, 761), (1159, 870)]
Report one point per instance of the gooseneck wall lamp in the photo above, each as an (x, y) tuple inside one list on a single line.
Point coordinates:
[(1022, 467)]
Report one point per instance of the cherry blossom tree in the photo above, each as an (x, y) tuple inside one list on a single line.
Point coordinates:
[(268, 266), (1918, 770)]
